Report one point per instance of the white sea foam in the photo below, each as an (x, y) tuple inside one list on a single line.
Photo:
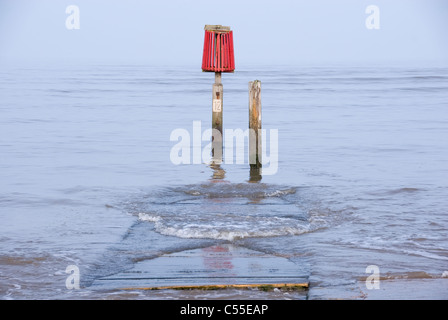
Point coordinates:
[(224, 229), (278, 193), (148, 217), (229, 235)]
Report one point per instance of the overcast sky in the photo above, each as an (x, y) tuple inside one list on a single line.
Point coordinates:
[(265, 32)]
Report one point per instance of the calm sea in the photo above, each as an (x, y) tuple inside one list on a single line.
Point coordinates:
[(86, 177)]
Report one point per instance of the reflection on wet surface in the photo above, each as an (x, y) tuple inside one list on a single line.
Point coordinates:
[(219, 266)]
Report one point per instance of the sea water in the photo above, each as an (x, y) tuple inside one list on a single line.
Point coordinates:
[(86, 178)]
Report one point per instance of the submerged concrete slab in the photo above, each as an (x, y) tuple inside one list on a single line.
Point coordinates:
[(216, 267)]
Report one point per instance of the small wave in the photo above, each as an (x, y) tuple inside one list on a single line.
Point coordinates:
[(230, 228), (148, 217), (222, 230), (278, 193), (229, 235), (232, 211)]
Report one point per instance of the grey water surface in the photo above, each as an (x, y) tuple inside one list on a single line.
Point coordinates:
[(86, 177)]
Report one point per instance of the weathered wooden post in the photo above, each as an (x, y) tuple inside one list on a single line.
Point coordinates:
[(218, 57), (217, 136), (255, 144)]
